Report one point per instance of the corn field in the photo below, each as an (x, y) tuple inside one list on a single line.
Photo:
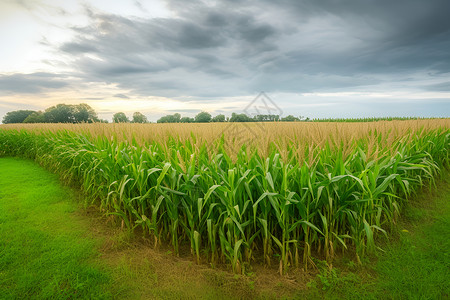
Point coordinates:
[(284, 195)]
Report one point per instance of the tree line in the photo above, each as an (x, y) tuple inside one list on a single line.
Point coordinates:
[(61, 113), (66, 113), (205, 117), (83, 113)]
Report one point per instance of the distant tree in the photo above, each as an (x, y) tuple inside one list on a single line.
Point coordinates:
[(259, 118), (164, 119), (17, 116), (35, 117), (175, 118), (290, 118), (187, 120), (139, 118), (83, 113), (61, 113), (203, 117), (120, 117), (240, 118), (218, 118)]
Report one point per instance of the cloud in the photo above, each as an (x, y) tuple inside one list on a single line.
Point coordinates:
[(77, 48), (222, 48), (199, 53), (122, 96), (31, 83), (443, 86), (210, 51)]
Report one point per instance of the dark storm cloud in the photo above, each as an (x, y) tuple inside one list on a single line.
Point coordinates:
[(231, 48), (394, 34), (30, 83), (400, 21)]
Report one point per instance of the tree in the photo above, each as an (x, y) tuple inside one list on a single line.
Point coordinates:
[(240, 118), (175, 118), (35, 117), (218, 118), (290, 118), (187, 120), (203, 117), (17, 116), (61, 113), (164, 119), (83, 113), (139, 118), (120, 117)]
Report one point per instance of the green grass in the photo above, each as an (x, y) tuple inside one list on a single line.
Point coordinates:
[(418, 266), (45, 250)]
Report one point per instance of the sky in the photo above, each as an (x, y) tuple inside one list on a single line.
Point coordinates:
[(317, 59)]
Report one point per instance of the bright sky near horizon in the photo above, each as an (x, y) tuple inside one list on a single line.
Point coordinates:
[(319, 59)]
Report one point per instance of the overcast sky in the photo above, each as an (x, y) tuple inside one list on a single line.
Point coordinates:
[(329, 58)]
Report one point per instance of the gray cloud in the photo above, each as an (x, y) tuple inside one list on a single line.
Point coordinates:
[(443, 86), (121, 96), (31, 83), (76, 48), (232, 48)]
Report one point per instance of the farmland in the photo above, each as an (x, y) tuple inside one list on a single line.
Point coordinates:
[(241, 194)]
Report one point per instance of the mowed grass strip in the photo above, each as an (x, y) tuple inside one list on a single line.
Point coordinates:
[(45, 248), (418, 266)]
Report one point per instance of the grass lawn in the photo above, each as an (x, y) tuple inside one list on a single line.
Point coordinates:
[(52, 248), (45, 249)]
